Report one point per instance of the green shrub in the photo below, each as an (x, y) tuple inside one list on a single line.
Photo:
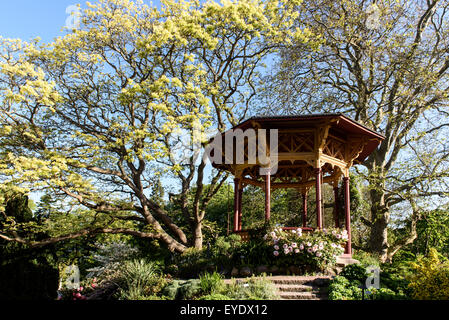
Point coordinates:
[(215, 296), (191, 263), (139, 278), (189, 290), (385, 294), (395, 277), (254, 252), (182, 289), (211, 282), (367, 259), (171, 289), (252, 289), (430, 280), (341, 288), (354, 272)]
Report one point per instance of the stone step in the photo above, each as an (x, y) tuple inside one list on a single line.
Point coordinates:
[(295, 288), (300, 296), (293, 280)]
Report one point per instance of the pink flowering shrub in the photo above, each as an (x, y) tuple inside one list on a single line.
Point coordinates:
[(317, 249), (81, 293)]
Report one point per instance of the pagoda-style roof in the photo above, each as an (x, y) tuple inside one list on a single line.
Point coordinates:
[(332, 142)]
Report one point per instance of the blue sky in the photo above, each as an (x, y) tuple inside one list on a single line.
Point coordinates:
[(27, 19)]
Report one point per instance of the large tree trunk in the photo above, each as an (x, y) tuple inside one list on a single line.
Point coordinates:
[(198, 236), (378, 242), (380, 212)]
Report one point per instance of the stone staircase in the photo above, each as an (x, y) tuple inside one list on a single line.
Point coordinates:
[(301, 288)]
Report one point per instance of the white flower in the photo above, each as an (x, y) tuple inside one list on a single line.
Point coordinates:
[(315, 248), (294, 244), (309, 250), (265, 237), (276, 253), (293, 231), (309, 244), (276, 247), (318, 254), (286, 251), (301, 246), (285, 246), (338, 236), (296, 250)]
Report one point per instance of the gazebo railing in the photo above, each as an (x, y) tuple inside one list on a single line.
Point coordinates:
[(245, 235)]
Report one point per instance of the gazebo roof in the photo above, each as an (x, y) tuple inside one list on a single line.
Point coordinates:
[(330, 141), (344, 125)]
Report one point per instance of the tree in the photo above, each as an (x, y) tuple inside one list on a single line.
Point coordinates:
[(384, 63), (24, 273), (433, 232), (96, 118)]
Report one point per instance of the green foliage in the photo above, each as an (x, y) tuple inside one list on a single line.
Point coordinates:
[(432, 232), (215, 296), (139, 278), (385, 294), (430, 279), (109, 258), (311, 251), (171, 289), (348, 284), (254, 252), (211, 282), (341, 288), (366, 259), (182, 289), (396, 275), (25, 273), (190, 263), (252, 289), (354, 273)]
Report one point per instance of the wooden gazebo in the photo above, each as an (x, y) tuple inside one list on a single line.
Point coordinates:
[(298, 152)]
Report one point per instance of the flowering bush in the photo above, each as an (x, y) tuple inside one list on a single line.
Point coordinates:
[(80, 293), (317, 249), (430, 280)]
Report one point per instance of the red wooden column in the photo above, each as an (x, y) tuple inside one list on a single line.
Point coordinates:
[(347, 215), (236, 204), (267, 196), (240, 206), (304, 209), (336, 207), (319, 213)]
